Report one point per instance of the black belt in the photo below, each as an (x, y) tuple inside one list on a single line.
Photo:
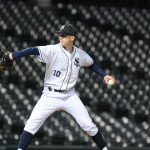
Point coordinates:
[(50, 89)]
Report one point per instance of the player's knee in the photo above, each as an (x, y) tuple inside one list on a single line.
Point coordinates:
[(31, 127), (91, 130)]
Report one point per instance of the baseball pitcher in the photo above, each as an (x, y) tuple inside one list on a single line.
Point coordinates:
[(63, 62)]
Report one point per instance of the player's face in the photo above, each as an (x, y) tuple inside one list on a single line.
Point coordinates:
[(66, 39)]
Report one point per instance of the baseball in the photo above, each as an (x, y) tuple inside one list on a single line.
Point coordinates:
[(111, 82)]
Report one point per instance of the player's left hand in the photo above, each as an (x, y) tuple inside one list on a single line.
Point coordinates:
[(5, 62), (107, 78)]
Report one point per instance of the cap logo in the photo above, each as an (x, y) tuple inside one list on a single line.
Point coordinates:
[(62, 27)]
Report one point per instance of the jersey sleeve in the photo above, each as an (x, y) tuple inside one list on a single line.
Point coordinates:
[(86, 59), (45, 53)]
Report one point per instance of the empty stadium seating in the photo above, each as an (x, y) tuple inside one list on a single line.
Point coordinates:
[(117, 39)]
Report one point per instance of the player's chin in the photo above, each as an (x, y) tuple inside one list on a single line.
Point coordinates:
[(62, 43)]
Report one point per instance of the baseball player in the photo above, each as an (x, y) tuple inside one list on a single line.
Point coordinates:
[(63, 62)]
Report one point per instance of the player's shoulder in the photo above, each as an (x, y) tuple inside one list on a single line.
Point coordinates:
[(79, 50), (52, 46)]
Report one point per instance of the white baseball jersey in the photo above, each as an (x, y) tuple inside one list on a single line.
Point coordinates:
[(62, 67)]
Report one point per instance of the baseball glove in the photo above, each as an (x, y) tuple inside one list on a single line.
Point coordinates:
[(5, 62)]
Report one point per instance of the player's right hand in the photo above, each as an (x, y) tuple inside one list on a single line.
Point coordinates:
[(107, 78)]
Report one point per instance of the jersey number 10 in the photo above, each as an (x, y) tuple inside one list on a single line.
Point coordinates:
[(57, 73)]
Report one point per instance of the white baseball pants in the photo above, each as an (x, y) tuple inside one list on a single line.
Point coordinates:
[(53, 101)]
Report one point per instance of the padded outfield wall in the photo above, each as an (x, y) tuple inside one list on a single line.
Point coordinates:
[(67, 148)]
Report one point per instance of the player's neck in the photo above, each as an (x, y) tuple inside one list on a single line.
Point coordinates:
[(68, 48)]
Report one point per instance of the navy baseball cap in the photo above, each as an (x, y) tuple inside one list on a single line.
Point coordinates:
[(67, 29)]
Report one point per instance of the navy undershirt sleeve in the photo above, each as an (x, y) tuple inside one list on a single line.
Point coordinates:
[(26, 52), (97, 70)]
